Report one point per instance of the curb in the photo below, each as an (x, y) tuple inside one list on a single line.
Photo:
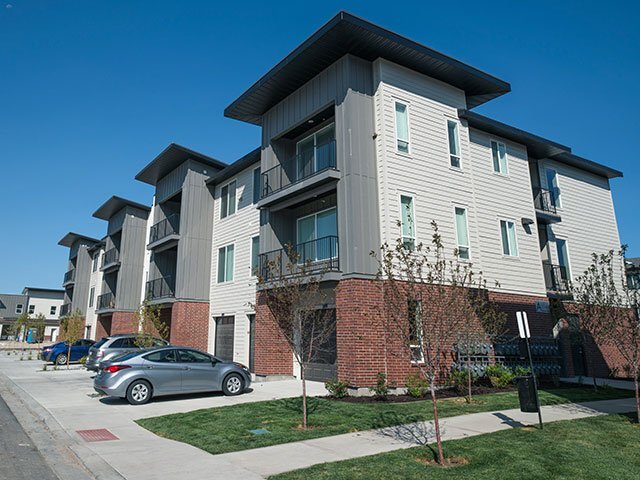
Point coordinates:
[(68, 458)]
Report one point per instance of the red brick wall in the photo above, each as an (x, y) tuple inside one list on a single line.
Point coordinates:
[(540, 324), (123, 322), (190, 324), (103, 326), (272, 353)]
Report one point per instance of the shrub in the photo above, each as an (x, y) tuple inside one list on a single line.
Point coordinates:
[(417, 386), (82, 360), (521, 371), (499, 375), (459, 379), (337, 389), (381, 388)]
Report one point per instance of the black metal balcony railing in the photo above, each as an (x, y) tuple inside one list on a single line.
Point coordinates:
[(163, 287), (544, 200), (556, 278), (70, 276), (297, 168), (315, 256), (111, 256), (106, 300), (164, 228), (65, 309)]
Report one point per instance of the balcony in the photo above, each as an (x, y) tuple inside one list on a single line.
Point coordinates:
[(69, 277), (305, 171), (318, 256), (110, 260), (556, 279), (106, 301), (65, 309), (160, 288), (165, 234), (545, 205)]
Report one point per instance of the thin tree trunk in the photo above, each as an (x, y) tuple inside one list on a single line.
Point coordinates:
[(304, 398), (68, 356), (436, 423), (469, 376), (635, 381)]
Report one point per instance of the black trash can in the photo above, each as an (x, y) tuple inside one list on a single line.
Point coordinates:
[(527, 394)]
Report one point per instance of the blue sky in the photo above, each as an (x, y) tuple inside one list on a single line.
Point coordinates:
[(90, 92)]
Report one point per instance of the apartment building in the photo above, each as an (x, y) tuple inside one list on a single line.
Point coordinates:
[(95, 289), (79, 266), (122, 265), (33, 301), (364, 130)]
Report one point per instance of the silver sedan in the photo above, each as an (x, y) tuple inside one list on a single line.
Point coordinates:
[(139, 376)]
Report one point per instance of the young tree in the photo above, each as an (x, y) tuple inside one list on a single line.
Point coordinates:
[(38, 323), (148, 323), (71, 330), (430, 301), (607, 309), (290, 288), (22, 325)]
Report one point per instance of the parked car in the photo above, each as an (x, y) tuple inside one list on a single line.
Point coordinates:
[(109, 347), (58, 352), (139, 376)]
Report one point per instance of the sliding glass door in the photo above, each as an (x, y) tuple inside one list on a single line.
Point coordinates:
[(316, 152), (318, 236)]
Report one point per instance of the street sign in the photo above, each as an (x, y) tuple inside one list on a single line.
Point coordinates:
[(523, 325)]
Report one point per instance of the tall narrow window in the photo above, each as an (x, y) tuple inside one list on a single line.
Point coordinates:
[(563, 258), (552, 185), (255, 252), (53, 309), (225, 264), (499, 155), (454, 143), (32, 309), (462, 233), (402, 127), (228, 200), (256, 184), (92, 293), (95, 261), (408, 222), (19, 308), (414, 308), (509, 241)]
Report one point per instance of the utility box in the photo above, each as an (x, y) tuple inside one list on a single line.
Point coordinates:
[(527, 394)]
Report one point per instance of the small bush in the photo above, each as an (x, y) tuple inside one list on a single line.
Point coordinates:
[(417, 386), (499, 375), (521, 371), (459, 379), (337, 389), (381, 389), (82, 360)]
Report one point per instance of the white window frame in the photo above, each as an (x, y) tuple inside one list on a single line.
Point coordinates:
[(419, 335), (455, 224), (258, 186), (515, 231), (251, 246), (92, 295), (233, 273), (19, 308), (31, 310), (235, 206), (506, 157), (415, 223), (459, 156), (557, 198), (395, 126), (53, 309), (566, 243)]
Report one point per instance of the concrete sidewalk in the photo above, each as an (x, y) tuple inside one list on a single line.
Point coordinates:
[(292, 456), (601, 382)]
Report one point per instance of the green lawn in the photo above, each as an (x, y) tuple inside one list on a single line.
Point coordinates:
[(592, 448), (226, 429)]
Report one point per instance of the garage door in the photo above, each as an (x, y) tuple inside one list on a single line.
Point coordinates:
[(224, 337), (323, 367)]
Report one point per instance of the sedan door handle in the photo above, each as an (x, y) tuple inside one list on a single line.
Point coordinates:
[(148, 366), (186, 368)]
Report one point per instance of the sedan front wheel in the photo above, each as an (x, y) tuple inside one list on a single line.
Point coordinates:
[(233, 385)]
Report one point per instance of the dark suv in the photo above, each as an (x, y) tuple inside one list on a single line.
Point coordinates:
[(109, 347)]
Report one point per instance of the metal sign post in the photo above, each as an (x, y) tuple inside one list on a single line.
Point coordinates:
[(523, 328)]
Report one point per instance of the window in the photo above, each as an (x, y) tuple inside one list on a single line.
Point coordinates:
[(19, 308), (92, 293), (499, 155), (228, 200), (162, 356), (415, 330), (316, 152), (402, 127), (552, 185), (509, 242), (318, 236), (225, 264), (408, 222), (462, 232), (52, 310), (255, 252), (32, 309), (96, 257), (563, 258), (191, 356), (256, 184), (454, 143)]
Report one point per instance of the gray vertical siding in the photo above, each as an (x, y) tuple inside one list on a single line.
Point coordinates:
[(83, 263)]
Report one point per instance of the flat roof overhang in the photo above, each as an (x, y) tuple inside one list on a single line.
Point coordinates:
[(347, 34), (70, 238), (251, 158), (171, 158), (112, 206)]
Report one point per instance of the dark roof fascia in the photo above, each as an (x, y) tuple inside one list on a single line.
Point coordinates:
[(347, 34), (588, 165), (71, 237), (171, 158), (239, 165), (112, 206)]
